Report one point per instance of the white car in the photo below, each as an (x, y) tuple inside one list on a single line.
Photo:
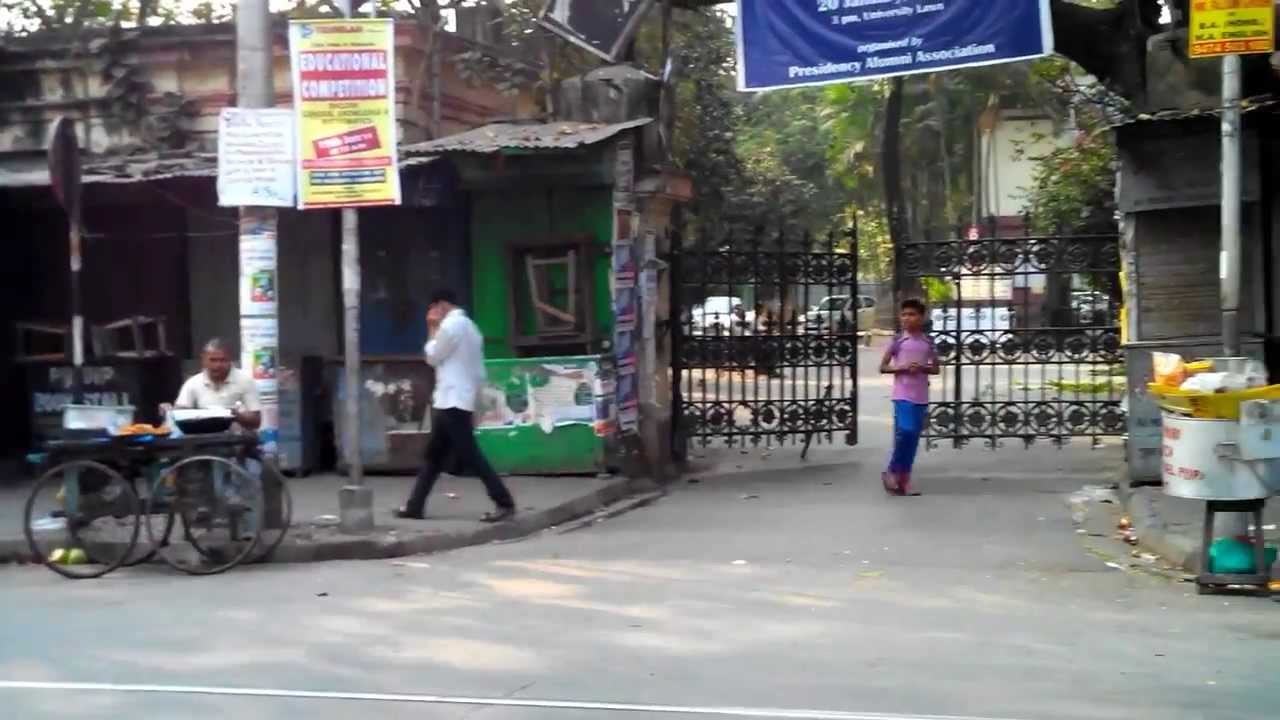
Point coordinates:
[(835, 314), (715, 316)]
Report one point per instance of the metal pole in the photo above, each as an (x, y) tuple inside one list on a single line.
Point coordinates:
[(77, 312), (259, 321), (1231, 524), (1229, 270), (355, 500), (351, 340)]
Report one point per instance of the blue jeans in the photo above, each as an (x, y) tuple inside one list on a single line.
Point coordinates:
[(908, 425)]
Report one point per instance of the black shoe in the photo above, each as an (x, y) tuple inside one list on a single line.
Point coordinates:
[(404, 514), (500, 515)]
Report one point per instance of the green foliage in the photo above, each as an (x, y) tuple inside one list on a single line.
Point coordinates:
[(1073, 188)]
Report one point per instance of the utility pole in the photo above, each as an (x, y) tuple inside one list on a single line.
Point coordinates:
[(258, 250), (1229, 270), (355, 499), (1231, 524)]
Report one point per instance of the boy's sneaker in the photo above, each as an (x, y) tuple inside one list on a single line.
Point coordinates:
[(891, 485), (904, 485)]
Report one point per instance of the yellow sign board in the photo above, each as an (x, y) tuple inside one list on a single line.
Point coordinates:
[(1231, 27), (344, 94)]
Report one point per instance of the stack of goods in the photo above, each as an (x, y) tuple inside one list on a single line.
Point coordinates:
[(1209, 389)]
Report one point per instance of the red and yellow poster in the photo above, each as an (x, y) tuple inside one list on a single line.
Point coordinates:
[(344, 95), (1231, 27)]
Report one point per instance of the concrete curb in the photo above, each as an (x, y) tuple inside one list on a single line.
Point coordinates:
[(1138, 503), (384, 545)]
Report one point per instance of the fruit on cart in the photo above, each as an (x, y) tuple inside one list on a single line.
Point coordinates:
[(69, 556), (143, 429)]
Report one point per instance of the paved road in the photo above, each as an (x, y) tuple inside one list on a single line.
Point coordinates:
[(801, 590)]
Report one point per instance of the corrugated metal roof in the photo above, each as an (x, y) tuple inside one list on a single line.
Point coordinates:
[(31, 170), (523, 136)]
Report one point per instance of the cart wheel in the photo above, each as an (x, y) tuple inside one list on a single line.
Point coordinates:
[(220, 506), (272, 537), (82, 520), (1202, 589)]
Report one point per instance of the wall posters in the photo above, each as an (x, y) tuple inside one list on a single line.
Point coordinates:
[(258, 272), (260, 355), (625, 293), (344, 99)]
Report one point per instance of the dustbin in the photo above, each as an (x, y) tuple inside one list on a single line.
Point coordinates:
[(1220, 459)]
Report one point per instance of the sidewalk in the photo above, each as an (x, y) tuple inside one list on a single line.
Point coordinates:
[(453, 514)]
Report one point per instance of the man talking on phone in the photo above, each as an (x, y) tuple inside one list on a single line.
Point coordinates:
[(455, 349)]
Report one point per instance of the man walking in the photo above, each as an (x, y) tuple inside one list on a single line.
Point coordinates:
[(456, 350)]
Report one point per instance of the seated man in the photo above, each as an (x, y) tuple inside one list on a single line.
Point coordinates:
[(221, 386)]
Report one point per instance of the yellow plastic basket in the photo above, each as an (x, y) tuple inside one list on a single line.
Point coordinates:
[(1209, 406)]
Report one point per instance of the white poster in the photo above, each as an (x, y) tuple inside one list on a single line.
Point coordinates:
[(255, 158), (258, 288), (986, 287), (993, 320), (260, 356)]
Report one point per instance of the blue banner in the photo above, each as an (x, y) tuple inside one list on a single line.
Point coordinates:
[(793, 43)]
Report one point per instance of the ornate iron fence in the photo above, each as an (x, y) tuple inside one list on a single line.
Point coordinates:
[(1027, 329), (753, 363)]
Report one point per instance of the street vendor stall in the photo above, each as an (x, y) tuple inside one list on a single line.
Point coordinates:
[(109, 477), (1221, 445)]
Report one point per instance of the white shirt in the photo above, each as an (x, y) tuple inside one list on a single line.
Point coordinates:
[(199, 392), (457, 353)]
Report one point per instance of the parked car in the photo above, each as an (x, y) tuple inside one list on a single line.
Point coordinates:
[(1089, 307), (716, 316), (836, 314)]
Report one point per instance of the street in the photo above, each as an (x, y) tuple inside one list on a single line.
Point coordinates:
[(804, 591)]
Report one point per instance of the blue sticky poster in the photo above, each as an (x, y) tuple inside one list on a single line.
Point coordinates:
[(794, 43)]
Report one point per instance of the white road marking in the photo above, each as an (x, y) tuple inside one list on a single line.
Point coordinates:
[(743, 712)]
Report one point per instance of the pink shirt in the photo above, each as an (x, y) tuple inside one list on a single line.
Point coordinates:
[(907, 349)]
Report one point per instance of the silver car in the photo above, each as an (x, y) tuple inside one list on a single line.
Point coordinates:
[(835, 314)]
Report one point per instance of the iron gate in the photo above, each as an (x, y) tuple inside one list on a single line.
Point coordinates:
[(753, 363), (1027, 329)]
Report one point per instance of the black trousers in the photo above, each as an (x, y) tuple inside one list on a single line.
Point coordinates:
[(453, 446)]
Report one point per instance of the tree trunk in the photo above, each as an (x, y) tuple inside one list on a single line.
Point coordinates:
[(891, 174)]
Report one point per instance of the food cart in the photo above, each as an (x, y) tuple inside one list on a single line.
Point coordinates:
[(108, 479), (1223, 448)]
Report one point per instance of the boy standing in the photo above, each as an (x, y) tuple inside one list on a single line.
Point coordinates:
[(911, 359)]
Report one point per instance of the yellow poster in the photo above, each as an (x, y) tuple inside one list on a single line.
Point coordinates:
[(1231, 27), (344, 94)]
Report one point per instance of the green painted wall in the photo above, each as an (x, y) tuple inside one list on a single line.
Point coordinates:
[(545, 416), (539, 211)]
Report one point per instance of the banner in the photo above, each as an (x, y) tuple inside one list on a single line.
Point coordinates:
[(794, 43), (344, 94), (1231, 27), (255, 157)]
